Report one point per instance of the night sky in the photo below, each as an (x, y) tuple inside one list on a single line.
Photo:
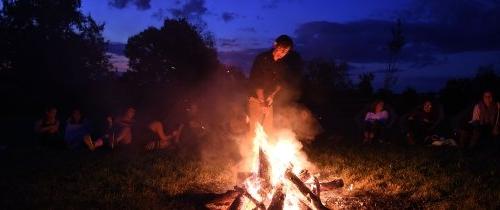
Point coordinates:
[(445, 39)]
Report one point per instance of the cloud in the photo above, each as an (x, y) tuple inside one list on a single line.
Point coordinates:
[(190, 9), (228, 16), (140, 4), (119, 62), (226, 43), (160, 14), (248, 29), (116, 48), (273, 4), (240, 58), (427, 34), (460, 25), (360, 41)]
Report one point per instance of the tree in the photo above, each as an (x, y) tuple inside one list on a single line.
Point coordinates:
[(365, 86), (462, 92), (51, 46), (395, 45), (177, 53), (328, 75)]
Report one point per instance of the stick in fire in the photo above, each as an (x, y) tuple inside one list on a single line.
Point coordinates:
[(313, 201)]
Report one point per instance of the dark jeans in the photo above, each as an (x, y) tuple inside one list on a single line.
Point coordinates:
[(54, 140), (474, 134), (376, 127), (419, 130)]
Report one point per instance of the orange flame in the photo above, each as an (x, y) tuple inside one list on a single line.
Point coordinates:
[(284, 153)]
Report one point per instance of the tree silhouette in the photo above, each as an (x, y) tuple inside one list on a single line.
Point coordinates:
[(462, 92), (50, 46), (365, 86), (175, 54), (328, 75), (323, 79), (395, 45)]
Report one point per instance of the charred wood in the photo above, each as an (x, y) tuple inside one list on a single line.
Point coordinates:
[(245, 193), (332, 185), (313, 201), (236, 204), (278, 199)]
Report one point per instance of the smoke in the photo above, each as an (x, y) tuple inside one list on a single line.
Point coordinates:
[(222, 102), (300, 120)]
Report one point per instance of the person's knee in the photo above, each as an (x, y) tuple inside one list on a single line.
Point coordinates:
[(155, 126)]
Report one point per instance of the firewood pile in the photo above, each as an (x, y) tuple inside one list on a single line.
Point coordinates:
[(304, 186)]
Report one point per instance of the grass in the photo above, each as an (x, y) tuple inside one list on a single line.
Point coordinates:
[(386, 176)]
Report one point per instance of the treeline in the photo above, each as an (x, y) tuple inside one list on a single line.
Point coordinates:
[(53, 54)]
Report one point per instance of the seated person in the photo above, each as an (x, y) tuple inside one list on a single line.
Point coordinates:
[(47, 129), (106, 134), (375, 121), (160, 140), (193, 129), (422, 122), (195, 122), (123, 127), (77, 129), (236, 123), (484, 122)]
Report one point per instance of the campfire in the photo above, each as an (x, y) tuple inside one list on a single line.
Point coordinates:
[(279, 178)]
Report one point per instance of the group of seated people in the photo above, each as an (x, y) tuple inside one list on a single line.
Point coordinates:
[(420, 125), (78, 131)]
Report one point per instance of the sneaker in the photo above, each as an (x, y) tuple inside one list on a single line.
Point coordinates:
[(88, 141), (150, 146)]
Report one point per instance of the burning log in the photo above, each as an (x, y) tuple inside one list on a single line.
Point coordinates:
[(313, 200), (244, 192), (278, 200), (222, 201), (331, 185), (317, 187), (236, 204), (264, 172), (307, 178)]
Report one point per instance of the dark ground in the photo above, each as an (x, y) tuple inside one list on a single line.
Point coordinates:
[(381, 176), (389, 176)]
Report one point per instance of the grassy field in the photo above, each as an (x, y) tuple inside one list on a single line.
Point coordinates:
[(383, 176)]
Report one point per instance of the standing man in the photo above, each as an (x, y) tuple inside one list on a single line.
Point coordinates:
[(274, 81)]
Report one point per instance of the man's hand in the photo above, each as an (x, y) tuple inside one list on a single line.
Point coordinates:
[(266, 110), (278, 88), (270, 100), (53, 129)]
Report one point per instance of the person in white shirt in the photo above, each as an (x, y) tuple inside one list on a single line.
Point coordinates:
[(484, 123), (374, 121)]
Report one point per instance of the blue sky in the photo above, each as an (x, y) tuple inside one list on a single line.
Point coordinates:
[(249, 22), (445, 39)]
